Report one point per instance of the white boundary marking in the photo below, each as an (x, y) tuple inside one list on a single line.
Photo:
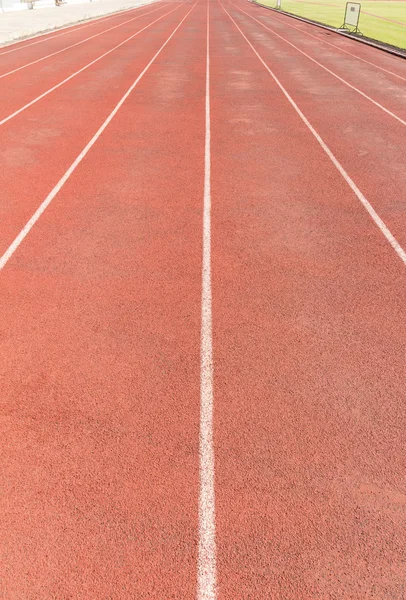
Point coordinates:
[(64, 30), (41, 209), (34, 62), (20, 110), (206, 567), (369, 208), (324, 67), (337, 47)]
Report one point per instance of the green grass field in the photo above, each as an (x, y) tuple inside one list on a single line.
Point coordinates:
[(373, 23)]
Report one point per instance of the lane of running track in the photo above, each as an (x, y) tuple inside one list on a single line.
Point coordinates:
[(100, 354), (38, 145), (100, 329), (308, 306), (343, 44), (23, 86), (20, 54), (370, 144), (386, 87)]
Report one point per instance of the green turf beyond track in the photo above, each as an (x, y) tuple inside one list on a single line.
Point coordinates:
[(381, 20)]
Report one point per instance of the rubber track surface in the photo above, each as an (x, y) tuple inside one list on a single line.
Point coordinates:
[(100, 305)]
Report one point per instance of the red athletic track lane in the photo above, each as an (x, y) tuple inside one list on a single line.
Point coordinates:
[(369, 143), (50, 54), (308, 312), (26, 85), (38, 145), (382, 86), (101, 306), (100, 354), (328, 39)]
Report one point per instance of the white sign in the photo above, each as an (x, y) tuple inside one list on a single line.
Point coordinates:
[(352, 12)]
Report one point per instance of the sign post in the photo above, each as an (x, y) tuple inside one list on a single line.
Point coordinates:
[(351, 17)]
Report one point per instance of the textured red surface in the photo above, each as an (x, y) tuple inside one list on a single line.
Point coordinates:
[(100, 316)]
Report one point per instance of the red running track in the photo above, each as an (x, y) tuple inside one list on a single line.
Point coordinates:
[(225, 181)]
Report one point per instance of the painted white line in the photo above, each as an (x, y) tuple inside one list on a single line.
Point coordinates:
[(69, 29), (34, 62), (206, 568), (41, 209), (386, 110), (338, 48), (20, 110), (371, 211)]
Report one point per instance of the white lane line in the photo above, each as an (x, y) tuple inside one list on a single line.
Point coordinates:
[(206, 567), (338, 48), (34, 62), (386, 110), (20, 110), (40, 210), (69, 29), (371, 211)]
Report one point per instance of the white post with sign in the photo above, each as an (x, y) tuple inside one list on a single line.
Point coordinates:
[(351, 18)]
